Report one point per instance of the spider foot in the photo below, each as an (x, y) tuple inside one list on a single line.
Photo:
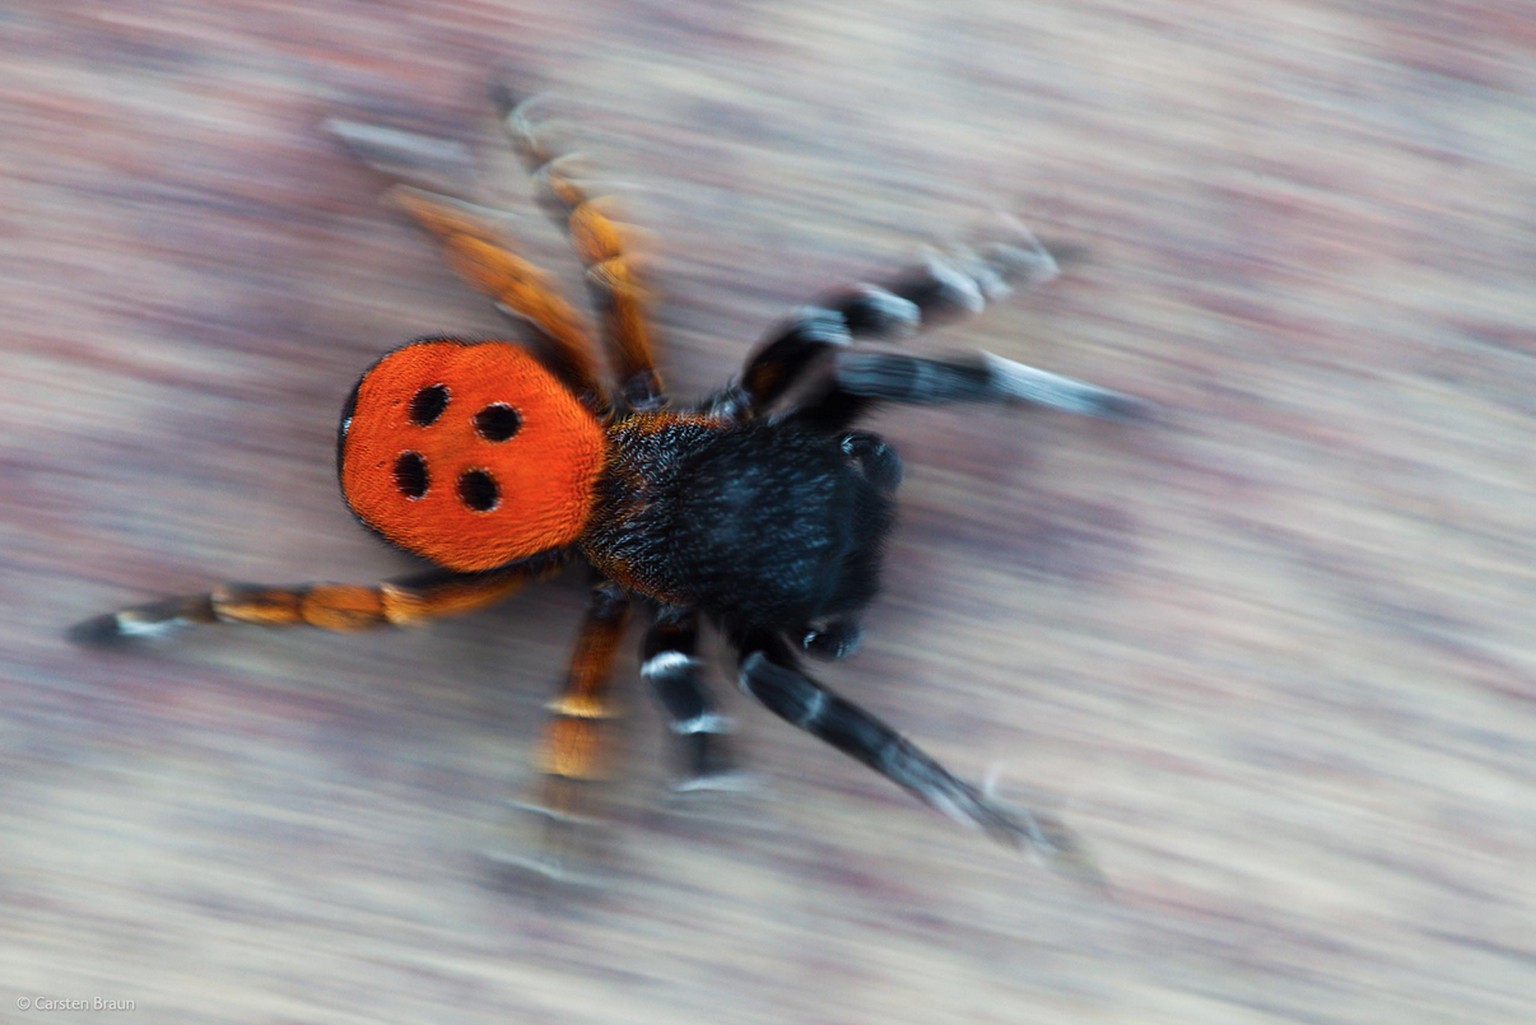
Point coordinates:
[(515, 870), (568, 845), (1012, 381), (1055, 846), (1041, 835), (406, 155), (1009, 256), (112, 630), (142, 622), (731, 803), (730, 781)]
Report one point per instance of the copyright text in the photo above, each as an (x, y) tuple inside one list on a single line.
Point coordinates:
[(73, 1004)]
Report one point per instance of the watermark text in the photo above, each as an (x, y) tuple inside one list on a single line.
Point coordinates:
[(42, 1003)]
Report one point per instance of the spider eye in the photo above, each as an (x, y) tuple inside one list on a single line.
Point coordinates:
[(428, 404), (411, 475), (498, 422), (479, 490)]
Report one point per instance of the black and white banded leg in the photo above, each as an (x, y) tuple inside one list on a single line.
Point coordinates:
[(671, 670), (769, 674), (859, 377), (956, 281)]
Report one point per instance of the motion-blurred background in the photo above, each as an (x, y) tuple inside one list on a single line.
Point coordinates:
[(1271, 657)]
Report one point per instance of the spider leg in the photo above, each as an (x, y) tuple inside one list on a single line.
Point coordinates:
[(672, 672), (475, 242), (479, 254), (572, 742), (858, 378), (598, 241), (403, 155), (957, 281), (769, 674), (342, 607)]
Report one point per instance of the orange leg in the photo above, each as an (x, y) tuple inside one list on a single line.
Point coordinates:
[(572, 756), (342, 607), (479, 254), (477, 247), (598, 241)]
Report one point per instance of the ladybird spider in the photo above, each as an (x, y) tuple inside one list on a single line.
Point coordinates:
[(759, 508)]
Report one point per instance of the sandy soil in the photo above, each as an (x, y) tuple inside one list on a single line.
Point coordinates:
[(1271, 657)]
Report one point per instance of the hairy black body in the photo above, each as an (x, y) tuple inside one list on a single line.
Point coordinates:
[(758, 525)]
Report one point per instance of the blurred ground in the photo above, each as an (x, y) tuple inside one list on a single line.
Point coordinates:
[(1273, 656)]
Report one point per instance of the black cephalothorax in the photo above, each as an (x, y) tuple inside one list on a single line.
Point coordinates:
[(757, 525)]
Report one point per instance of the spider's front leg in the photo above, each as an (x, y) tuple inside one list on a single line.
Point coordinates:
[(810, 351), (769, 674), (856, 379), (342, 607), (946, 284)]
